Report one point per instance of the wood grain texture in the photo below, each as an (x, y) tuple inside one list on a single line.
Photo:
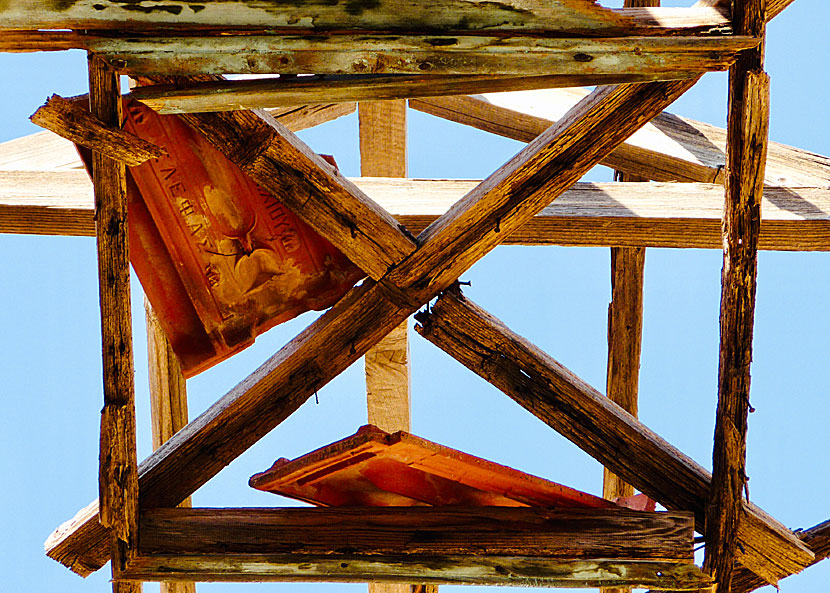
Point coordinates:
[(168, 403), (41, 151), (118, 475), (673, 57), (748, 128), (669, 148), (596, 425), (314, 190), (817, 538), (274, 92), (557, 16), (298, 117), (678, 215), (71, 121)]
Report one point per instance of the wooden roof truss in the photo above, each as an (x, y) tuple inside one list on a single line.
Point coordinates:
[(369, 53)]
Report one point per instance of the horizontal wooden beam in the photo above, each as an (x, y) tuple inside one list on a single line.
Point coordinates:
[(670, 148), (485, 545), (679, 215), (69, 120), (671, 57), (558, 16), (598, 426), (273, 92)]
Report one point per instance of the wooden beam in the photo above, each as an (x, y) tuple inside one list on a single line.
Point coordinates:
[(168, 404), (298, 117), (746, 151), (71, 121), (669, 148), (672, 57), (453, 545), (382, 132), (230, 95), (560, 16), (598, 426), (677, 215), (41, 151), (314, 190), (118, 475), (816, 538)]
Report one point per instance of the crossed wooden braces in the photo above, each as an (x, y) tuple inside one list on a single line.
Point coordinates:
[(404, 274)]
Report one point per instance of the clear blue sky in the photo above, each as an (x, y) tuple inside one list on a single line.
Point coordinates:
[(557, 297)]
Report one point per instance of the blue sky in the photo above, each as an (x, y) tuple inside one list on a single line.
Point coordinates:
[(557, 297)]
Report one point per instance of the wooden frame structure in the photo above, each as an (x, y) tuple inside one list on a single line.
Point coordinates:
[(412, 255)]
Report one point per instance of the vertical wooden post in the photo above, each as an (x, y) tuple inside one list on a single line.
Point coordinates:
[(168, 403), (118, 469), (746, 151), (382, 127), (625, 332)]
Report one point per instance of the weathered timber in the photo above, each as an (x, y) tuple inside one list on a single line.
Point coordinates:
[(678, 215), (298, 117), (746, 150), (669, 148), (598, 426), (69, 120), (382, 133), (625, 332), (41, 151), (168, 403), (118, 476), (474, 226), (558, 16), (273, 92), (314, 190), (358, 543), (817, 538), (673, 57)]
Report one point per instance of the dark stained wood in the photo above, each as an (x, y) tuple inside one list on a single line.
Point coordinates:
[(746, 152), (118, 475), (619, 534), (69, 120), (673, 57), (598, 426)]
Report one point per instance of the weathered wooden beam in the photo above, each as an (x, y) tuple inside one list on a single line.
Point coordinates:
[(678, 215), (314, 190), (451, 545), (168, 404), (816, 538), (673, 57), (118, 475), (559, 16), (746, 150), (670, 148), (382, 133), (71, 121), (273, 92), (598, 426), (298, 117)]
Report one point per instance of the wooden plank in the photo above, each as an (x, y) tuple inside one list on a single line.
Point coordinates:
[(168, 404), (746, 150), (557, 16), (273, 92), (673, 57), (670, 148), (598, 426), (301, 117), (457, 544), (382, 131), (314, 190), (677, 215), (41, 151), (118, 475), (69, 120), (817, 538)]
